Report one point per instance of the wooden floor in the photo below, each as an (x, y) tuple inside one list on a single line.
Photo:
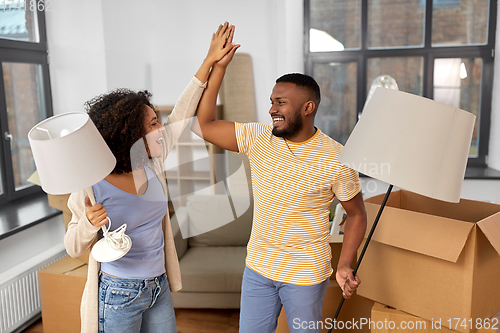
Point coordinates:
[(189, 321)]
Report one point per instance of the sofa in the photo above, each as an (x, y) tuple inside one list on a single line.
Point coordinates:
[(211, 234)]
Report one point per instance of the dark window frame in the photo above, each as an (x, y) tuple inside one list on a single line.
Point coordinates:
[(429, 53), (30, 53)]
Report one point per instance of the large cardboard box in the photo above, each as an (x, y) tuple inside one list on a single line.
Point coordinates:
[(61, 202), (61, 288), (388, 320), (434, 259)]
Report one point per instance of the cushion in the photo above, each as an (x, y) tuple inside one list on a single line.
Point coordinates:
[(212, 222), (213, 269)]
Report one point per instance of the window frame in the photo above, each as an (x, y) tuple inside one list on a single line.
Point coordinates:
[(29, 53), (428, 52)]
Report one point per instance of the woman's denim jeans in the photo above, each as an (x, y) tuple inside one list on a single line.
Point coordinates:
[(135, 305)]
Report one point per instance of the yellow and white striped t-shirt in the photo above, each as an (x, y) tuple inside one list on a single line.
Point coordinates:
[(294, 185)]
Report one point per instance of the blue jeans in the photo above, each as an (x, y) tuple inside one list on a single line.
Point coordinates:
[(262, 299), (135, 305)]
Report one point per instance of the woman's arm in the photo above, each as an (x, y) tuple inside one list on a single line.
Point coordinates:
[(81, 234)]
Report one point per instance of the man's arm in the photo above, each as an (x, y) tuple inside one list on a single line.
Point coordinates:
[(219, 132), (354, 232)]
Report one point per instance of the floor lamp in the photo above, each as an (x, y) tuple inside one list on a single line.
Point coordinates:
[(71, 155), (411, 142)]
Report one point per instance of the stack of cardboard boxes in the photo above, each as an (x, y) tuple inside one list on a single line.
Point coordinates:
[(434, 261), (61, 284)]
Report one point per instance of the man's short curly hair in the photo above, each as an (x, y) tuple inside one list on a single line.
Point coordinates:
[(306, 82), (119, 116)]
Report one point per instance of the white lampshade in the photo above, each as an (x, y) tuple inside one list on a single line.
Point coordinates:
[(411, 142), (70, 153)]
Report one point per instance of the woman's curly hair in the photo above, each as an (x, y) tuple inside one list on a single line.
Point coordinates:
[(119, 116)]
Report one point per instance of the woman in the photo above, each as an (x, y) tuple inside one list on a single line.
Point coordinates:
[(132, 294)]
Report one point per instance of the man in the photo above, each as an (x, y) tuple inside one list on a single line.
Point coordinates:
[(295, 177)]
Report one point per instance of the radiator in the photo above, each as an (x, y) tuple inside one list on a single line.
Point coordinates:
[(19, 293)]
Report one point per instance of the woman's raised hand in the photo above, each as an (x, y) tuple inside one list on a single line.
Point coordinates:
[(226, 59), (220, 44)]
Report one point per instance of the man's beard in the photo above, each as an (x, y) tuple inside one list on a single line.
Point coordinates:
[(294, 126)]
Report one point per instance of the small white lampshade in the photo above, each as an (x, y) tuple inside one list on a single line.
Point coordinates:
[(411, 142), (70, 153)]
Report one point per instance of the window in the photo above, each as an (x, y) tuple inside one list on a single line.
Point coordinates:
[(439, 49), (24, 92)]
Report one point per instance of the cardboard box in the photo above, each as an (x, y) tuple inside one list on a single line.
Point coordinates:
[(61, 202), (433, 259), (61, 287), (388, 320)]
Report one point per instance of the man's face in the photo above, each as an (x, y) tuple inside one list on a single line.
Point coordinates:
[(286, 104)]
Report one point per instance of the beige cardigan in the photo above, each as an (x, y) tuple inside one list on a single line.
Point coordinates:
[(82, 235)]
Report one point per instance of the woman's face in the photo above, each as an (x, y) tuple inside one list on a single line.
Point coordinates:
[(154, 133)]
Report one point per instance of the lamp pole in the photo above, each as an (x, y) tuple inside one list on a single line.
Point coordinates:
[(372, 230)]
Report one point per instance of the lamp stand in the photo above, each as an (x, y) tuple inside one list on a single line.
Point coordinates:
[(389, 190)]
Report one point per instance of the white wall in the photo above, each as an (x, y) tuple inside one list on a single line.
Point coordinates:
[(158, 45), (76, 53), (182, 33), (129, 31), (182, 41)]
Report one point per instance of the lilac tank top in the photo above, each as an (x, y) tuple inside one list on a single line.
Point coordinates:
[(143, 215)]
